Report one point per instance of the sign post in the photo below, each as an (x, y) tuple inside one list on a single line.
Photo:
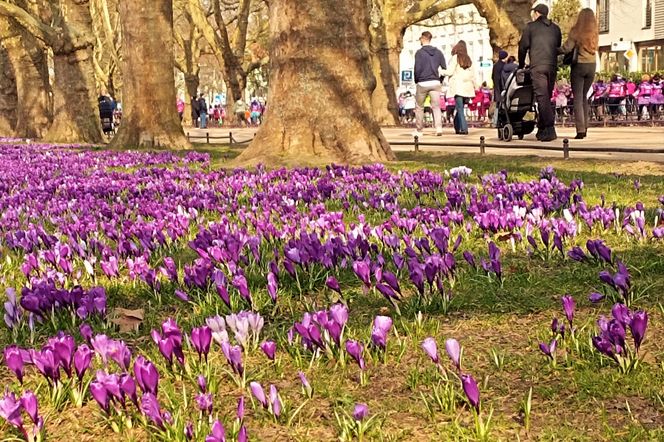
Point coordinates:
[(407, 77)]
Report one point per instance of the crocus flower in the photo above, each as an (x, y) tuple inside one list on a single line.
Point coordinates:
[(272, 286), (638, 326), (217, 434), (100, 395), (380, 330), (363, 272), (305, 384), (128, 387), (275, 401), (181, 295), (240, 409), (454, 351), (86, 332), (269, 348), (151, 409), (147, 376), (471, 389), (550, 349), (204, 402), (201, 338), (10, 409), (355, 350), (82, 359), (431, 349), (332, 283), (242, 435), (596, 297), (31, 406), (259, 394), (202, 383), (14, 359), (360, 412), (568, 307)]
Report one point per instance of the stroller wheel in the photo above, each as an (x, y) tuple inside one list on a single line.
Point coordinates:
[(508, 132), (500, 134)]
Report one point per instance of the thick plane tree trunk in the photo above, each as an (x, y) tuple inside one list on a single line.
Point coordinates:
[(150, 116), (319, 103)]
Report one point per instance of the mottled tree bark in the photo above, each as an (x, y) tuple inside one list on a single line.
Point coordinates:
[(7, 95), (149, 115), (506, 20), (319, 103), (26, 60)]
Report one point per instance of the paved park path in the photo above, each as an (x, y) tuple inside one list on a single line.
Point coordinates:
[(631, 138)]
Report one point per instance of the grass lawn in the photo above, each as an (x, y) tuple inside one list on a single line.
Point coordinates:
[(499, 321)]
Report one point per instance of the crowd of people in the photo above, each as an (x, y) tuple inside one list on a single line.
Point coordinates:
[(539, 49), (241, 113)]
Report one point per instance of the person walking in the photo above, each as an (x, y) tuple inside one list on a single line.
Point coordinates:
[(498, 84), (540, 41), (239, 109), (180, 108), (428, 61), (462, 84), (203, 111), (584, 39), (194, 112)]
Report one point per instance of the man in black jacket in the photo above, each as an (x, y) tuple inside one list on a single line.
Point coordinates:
[(497, 78), (541, 40), (428, 60)]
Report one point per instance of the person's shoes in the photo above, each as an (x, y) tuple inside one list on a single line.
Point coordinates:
[(580, 136), (417, 134), (539, 134), (549, 135), (439, 132), (463, 132)]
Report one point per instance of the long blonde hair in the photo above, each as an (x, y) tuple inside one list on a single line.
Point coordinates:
[(585, 31)]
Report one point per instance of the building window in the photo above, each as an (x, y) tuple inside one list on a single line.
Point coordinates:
[(603, 15), (648, 14)]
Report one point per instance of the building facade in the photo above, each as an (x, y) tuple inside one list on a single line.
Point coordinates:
[(448, 27), (631, 35)]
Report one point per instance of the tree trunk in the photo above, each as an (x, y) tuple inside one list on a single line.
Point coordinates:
[(28, 63), (236, 82), (386, 45), (319, 104), (7, 95), (149, 115), (75, 108), (506, 20), (191, 83)]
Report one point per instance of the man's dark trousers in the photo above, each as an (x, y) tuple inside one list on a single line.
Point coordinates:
[(544, 80)]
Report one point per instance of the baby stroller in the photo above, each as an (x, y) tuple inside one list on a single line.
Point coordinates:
[(106, 115), (517, 114)]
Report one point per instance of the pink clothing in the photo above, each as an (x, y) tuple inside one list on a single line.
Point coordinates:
[(631, 88), (644, 92), (180, 106), (616, 89), (657, 96)]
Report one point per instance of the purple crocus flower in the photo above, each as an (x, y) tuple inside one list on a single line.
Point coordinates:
[(10, 409), (259, 394), (275, 401), (86, 332), (151, 409), (621, 313), (550, 349), (471, 389), (14, 359), (147, 376), (454, 351), (128, 387), (269, 348), (568, 307), (577, 254), (31, 406), (305, 383), (381, 328), (242, 435), (638, 326), (431, 349), (100, 395), (182, 295), (217, 434), (201, 339), (355, 350), (363, 272), (189, 431), (82, 359), (240, 409), (596, 297), (272, 286), (360, 412), (332, 283), (204, 402), (202, 383)]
